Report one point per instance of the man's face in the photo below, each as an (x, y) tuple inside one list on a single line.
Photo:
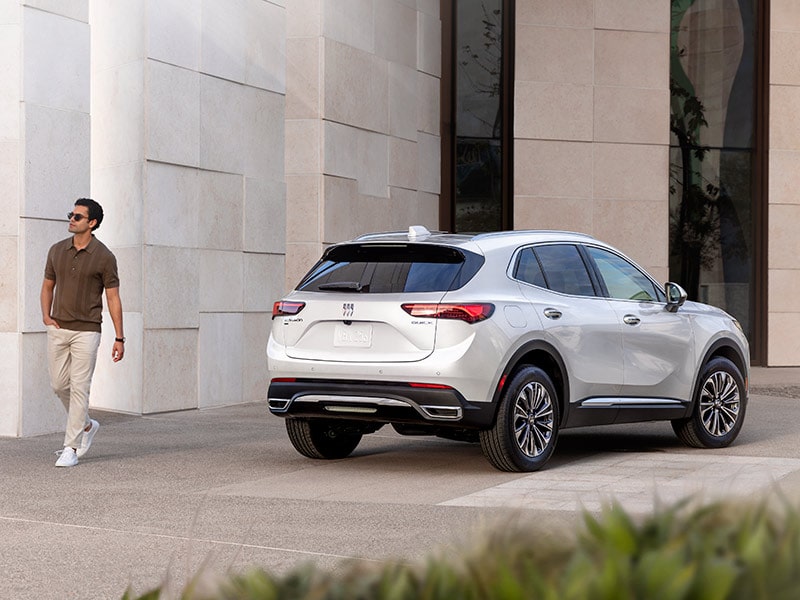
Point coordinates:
[(79, 222)]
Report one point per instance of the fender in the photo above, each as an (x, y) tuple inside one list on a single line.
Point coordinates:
[(722, 347), (556, 368)]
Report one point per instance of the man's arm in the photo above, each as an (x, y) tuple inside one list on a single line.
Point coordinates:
[(115, 310), (46, 300)]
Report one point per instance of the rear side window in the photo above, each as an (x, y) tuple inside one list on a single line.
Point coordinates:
[(391, 268), (528, 269), (564, 270)]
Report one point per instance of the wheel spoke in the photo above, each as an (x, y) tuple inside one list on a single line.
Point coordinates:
[(715, 427), (533, 447), (523, 433), (729, 415), (729, 391), (542, 434)]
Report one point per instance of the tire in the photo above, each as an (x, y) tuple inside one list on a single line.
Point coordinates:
[(318, 438), (526, 430), (719, 407)]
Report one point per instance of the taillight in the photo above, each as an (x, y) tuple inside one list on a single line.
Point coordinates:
[(284, 308), (469, 313)]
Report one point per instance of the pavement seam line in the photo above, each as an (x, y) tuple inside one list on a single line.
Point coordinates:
[(185, 538)]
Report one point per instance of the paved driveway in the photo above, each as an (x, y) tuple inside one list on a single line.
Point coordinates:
[(161, 496)]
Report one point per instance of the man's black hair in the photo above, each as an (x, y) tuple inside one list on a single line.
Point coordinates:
[(95, 210)]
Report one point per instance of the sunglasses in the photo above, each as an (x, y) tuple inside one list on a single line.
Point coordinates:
[(77, 217)]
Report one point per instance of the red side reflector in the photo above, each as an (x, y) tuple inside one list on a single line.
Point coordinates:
[(283, 308), (469, 313), (283, 380), (502, 382), (430, 386)]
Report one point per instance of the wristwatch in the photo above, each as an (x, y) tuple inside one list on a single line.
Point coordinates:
[(122, 339)]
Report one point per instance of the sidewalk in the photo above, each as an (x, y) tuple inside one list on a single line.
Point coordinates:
[(775, 381), (162, 496)]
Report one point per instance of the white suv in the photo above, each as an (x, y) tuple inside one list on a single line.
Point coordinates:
[(503, 338)]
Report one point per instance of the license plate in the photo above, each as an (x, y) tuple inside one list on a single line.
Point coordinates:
[(353, 336)]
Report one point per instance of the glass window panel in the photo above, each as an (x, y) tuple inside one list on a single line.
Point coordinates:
[(564, 270), (379, 269), (528, 269), (623, 280), (713, 83), (478, 119)]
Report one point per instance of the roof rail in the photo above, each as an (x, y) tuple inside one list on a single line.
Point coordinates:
[(531, 231), (375, 234), (413, 232)]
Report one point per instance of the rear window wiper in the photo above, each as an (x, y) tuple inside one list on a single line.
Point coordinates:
[(344, 286)]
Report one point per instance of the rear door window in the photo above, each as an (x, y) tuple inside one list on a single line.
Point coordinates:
[(564, 270), (391, 268)]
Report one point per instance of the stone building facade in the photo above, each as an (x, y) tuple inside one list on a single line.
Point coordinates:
[(229, 142)]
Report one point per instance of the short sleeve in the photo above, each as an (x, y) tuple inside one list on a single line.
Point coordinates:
[(110, 275), (49, 269)]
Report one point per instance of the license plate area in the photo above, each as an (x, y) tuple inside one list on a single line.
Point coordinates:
[(357, 335)]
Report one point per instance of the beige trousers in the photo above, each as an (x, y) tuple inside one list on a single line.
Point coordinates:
[(71, 357)]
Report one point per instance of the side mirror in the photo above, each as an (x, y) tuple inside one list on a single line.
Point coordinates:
[(676, 296)]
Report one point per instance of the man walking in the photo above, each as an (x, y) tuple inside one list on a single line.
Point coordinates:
[(78, 269)]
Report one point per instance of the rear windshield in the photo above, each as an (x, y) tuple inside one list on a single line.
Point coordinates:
[(391, 268)]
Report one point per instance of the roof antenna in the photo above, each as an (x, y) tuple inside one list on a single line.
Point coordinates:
[(416, 231)]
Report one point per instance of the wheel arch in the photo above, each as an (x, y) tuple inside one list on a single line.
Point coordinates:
[(723, 348), (537, 353)]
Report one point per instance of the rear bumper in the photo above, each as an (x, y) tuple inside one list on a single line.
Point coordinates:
[(379, 402)]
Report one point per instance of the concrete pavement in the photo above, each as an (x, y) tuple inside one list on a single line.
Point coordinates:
[(160, 497)]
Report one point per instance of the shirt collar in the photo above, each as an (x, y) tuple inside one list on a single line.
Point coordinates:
[(89, 247)]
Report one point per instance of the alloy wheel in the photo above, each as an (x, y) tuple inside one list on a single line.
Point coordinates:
[(719, 403), (533, 419)]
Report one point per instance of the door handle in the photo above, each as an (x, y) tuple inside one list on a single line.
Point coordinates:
[(631, 319), (552, 313)]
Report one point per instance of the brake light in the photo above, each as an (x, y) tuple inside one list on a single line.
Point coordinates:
[(284, 308), (469, 313)]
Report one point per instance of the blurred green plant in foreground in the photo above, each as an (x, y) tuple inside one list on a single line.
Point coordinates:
[(719, 551)]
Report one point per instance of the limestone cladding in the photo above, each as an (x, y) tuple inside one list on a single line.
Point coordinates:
[(189, 157), (362, 129), (44, 158), (783, 181), (591, 145)]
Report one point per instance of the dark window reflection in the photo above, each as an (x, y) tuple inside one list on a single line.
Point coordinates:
[(712, 192), (478, 119)]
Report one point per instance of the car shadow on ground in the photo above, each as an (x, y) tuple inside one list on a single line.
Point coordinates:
[(436, 454)]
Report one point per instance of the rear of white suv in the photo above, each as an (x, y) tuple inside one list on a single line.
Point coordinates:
[(377, 333), (501, 338)]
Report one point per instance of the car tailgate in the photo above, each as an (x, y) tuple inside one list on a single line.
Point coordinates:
[(358, 328)]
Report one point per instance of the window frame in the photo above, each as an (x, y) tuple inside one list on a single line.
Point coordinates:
[(595, 275)]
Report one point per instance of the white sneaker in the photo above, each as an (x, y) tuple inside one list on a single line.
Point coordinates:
[(68, 458), (88, 436)]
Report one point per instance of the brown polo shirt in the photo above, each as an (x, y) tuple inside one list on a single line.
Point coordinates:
[(80, 276)]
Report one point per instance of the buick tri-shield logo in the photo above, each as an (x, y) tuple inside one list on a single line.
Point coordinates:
[(347, 309)]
